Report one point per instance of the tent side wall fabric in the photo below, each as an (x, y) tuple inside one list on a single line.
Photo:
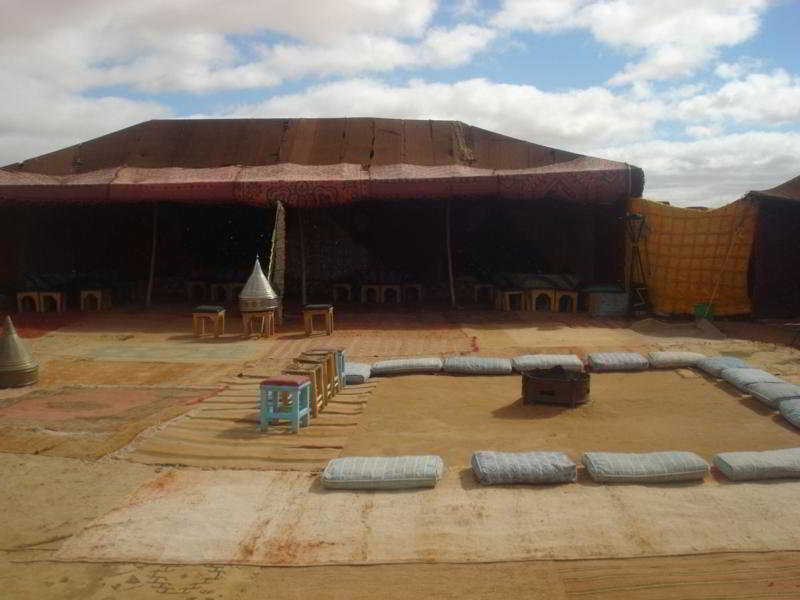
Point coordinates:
[(694, 257)]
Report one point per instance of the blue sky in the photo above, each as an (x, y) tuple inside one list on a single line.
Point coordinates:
[(703, 94)]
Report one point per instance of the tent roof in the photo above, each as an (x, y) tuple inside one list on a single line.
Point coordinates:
[(310, 162), (788, 190)]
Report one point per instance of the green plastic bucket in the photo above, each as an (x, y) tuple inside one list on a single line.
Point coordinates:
[(704, 310)]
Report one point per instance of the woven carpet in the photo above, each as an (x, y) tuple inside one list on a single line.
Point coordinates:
[(223, 432), (369, 335), (286, 518)]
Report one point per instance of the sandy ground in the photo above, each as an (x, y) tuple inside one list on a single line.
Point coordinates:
[(629, 412), (47, 500)]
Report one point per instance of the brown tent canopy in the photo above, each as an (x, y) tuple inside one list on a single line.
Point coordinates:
[(312, 162)]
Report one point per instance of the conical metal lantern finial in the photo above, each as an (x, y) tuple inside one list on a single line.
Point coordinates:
[(257, 294), (17, 367)]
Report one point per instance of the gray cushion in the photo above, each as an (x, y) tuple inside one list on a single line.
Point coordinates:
[(382, 472), (402, 366), (650, 467), (617, 361), (528, 362), (355, 373), (790, 410), (770, 464), (492, 468), (477, 365), (670, 359), (743, 378), (715, 365), (772, 394)]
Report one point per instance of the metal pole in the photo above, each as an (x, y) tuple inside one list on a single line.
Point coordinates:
[(149, 297), (303, 297), (449, 253)]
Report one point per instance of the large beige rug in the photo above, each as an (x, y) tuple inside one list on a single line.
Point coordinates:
[(285, 518)]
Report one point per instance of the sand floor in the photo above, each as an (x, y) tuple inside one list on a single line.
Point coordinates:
[(47, 501)]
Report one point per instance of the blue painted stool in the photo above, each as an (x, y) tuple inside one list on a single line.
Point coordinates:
[(340, 360), (286, 397)]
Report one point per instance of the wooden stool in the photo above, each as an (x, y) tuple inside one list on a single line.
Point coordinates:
[(56, 297), (502, 299), (327, 376), (341, 287), (285, 397), (370, 287), (480, 287), (196, 290), (265, 319), (325, 382), (318, 310), (214, 314), (341, 359), (415, 287), (533, 296), (332, 365), (33, 297), (566, 300), (398, 292), (317, 393), (101, 297)]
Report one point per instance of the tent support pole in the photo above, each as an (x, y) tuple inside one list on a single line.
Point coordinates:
[(303, 297), (149, 298), (449, 253)]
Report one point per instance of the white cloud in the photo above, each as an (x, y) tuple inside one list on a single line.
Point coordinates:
[(738, 69), (713, 171), (571, 119), (673, 39), (768, 98), (703, 131)]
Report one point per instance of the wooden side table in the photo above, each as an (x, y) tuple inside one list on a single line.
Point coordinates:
[(57, 299), (260, 322), (318, 310), (415, 288), (502, 299), (332, 364), (568, 300), (371, 287), (398, 293), (338, 288), (533, 296), (314, 373), (214, 314), (33, 297), (479, 288), (327, 375), (100, 296)]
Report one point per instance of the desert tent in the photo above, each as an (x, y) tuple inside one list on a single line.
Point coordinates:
[(362, 187)]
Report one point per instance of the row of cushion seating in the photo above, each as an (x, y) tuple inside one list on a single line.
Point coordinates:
[(499, 468), (764, 386)]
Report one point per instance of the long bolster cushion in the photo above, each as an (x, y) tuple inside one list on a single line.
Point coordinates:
[(528, 362), (403, 366), (652, 467), (671, 359), (477, 365), (770, 464), (772, 394), (617, 361), (355, 373), (715, 365), (790, 410), (743, 378), (493, 468), (382, 472)]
